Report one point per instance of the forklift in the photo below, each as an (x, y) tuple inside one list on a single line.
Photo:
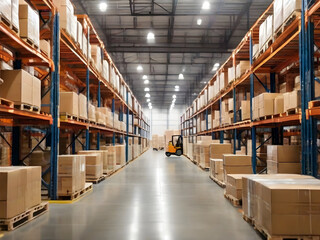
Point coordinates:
[(175, 146)]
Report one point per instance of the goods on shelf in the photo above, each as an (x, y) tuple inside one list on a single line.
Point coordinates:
[(231, 74), (234, 185), (105, 70), (72, 174), (92, 113), (216, 119), (236, 164), (20, 190), (66, 11), (103, 154), (120, 154), (223, 80), (242, 68), (290, 6), (5, 150), (245, 110), (29, 23), (20, 87), (216, 169), (282, 205), (96, 56), (79, 39), (85, 45), (266, 104), (277, 14), (83, 111), (69, 103), (292, 100), (5, 10), (279, 104), (45, 47), (283, 159)]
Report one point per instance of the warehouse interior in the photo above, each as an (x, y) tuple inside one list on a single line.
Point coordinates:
[(172, 119)]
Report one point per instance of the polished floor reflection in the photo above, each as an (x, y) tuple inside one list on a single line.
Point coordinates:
[(152, 198)]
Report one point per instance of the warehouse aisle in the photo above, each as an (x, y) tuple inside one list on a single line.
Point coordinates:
[(153, 198)]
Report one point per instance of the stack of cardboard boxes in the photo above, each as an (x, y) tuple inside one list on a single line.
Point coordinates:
[(216, 169), (282, 205), (284, 159), (236, 164), (155, 141), (234, 186), (20, 190), (72, 174)]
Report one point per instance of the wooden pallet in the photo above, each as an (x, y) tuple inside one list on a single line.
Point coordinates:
[(235, 202), (292, 111), (96, 180), (27, 107), (8, 23), (67, 116), (84, 120), (286, 23), (204, 168), (265, 117), (247, 219), (78, 194), (314, 104), (23, 218), (7, 103), (263, 232), (221, 184)]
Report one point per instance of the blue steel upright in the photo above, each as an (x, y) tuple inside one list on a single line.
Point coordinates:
[(235, 121), (54, 109), (99, 105)]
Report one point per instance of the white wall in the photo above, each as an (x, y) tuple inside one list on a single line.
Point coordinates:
[(162, 120)]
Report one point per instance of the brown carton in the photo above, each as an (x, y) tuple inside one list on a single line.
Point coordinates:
[(69, 103), (278, 105), (275, 167), (36, 92), (17, 86), (218, 150), (245, 110), (284, 153), (236, 160)]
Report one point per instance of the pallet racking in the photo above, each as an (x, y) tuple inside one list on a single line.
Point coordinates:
[(290, 51), (49, 126)]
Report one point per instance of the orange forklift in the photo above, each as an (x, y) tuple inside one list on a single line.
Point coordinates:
[(175, 146)]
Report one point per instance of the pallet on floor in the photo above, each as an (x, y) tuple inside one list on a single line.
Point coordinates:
[(204, 168), (234, 201), (221, 184), (78, 194), (248, 219), (23, 218), (263, 232), (6, 103), (96, 180)]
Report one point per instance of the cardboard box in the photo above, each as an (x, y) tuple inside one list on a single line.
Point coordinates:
[(120, 155), (204, 156), (218, 150), (92, 113), (45, 47), (266, 104), (83, 113), (277, 14), (292, 100), (20, 190), (5, 9), (276, 167), (29, 22), (242, 68), (17, 86), (69, 103), (236, 160), (284, 153), (72, 174), (14, 12), (36, 92), (278, 105), (290, 6), (111, 161), (245, 110), (216, 169), (234, 185)]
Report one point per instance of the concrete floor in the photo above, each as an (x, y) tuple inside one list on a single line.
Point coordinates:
[(153, 198)]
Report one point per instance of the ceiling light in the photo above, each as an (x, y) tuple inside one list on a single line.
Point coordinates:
[(147, 89), (148, 95), (199, 21), (174, 100), (174, 96), (146, 81), (217, 65), (150, 104), (150, 36), (204, 82), (177, 90), (150, 107), (144, 77), (181, 77), (176, 87), (206, 5), (139, 68), (103, 7), (148, 100)]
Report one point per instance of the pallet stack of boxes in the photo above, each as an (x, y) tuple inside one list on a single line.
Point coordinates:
[(111, 160), (234, 187), (72, 174), (283, 159), (96, 163), (282, 205), (20, 190), (217, 151)]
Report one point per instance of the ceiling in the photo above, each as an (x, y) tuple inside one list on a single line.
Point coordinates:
[(180, 46)]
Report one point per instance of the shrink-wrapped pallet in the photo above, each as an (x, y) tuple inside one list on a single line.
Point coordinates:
[(236, 164), (5, 9), (71, 174), (216, 169), (277, 14), (66, 13), (14, 13), (242, 68), (289, 7), (83, 112), (105, 70), (80, 35), (94, 163)]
